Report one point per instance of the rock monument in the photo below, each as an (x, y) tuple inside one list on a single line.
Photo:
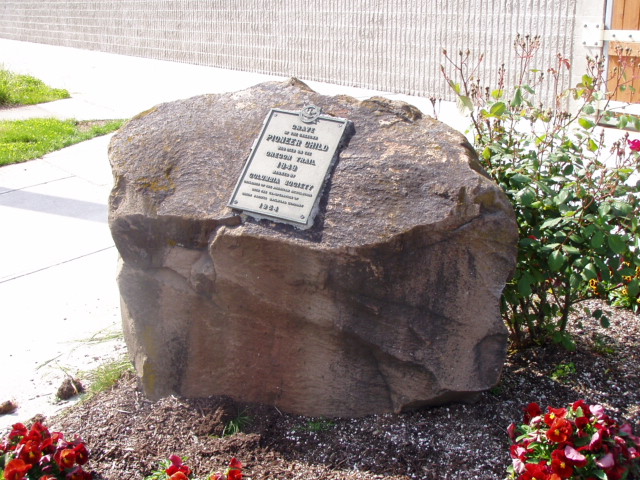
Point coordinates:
[(388, 301)]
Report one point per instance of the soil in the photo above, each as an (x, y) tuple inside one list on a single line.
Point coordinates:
[(129, 435)]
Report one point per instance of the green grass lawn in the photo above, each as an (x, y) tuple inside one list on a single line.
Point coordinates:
[(16, 89), (23, 140)]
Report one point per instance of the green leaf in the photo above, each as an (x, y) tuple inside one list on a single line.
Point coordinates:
[(570, 250), (497, 94), (527, 197), (556, 260), (524, 284), (466, 102), (622, 208), (498, 109), (586, 123), (520, 179), (517, 98), (561, 198), (587, 80), (633, 288), (600, 474), (552, 222), (622, 121), (604, 321), (604, 209), (590, 271), (617, 243), (593, 146), (597, 240)]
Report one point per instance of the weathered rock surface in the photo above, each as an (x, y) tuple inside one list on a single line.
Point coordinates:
[(390, 301)]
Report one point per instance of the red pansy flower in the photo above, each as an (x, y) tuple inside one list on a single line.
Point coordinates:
[(235, 470), (66, 458), (177, 466), (582, 405), (560, 430), (82, 454), (554, 413), (581, 422), (533, 410), (30, 452), (19, 430), (41, 430), (535, 471), (16, 469), (574, 456), (560, 464), (178, 476), (79, 474)]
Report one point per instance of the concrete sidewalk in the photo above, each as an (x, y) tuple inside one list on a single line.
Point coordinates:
[(57, 275), (57, 258)]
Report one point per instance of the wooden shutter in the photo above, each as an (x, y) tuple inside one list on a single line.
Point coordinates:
[(625, 57)]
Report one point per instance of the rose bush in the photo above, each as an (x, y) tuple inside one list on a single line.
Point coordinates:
[(580, 442), (37, 454), (576, 205)]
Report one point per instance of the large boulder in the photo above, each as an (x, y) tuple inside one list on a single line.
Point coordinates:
[(389, 302)]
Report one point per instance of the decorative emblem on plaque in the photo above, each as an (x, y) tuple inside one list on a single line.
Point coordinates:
[(310, 113), (287, 170)]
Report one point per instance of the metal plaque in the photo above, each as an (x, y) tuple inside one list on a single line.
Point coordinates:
[(286, 172)]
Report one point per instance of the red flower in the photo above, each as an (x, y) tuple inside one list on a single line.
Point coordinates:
[(535, 471), (30, 452), (65, 458), (79, 474), (177, 466), (41, 430), (519, 452), (634, 145), (178, 476), (16, 469), (533, 410), (607, 461), (581, 422), (234, 472), (82, 455), (554, 413), (596, 441), (56, 437), (560, 464), (560, 430), (582, 405), (574, 456), (19, 430)]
